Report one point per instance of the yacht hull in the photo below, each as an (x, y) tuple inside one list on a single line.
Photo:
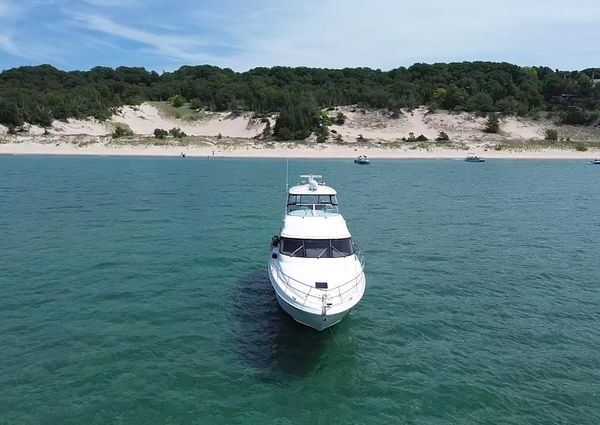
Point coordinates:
[(315, 321)]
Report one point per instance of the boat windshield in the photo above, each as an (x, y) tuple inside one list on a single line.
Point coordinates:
[(316, 248), (312, 205)]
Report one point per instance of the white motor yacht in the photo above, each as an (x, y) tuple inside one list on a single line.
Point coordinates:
[(313, 266)]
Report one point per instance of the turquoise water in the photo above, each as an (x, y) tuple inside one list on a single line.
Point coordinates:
[(134, 291)]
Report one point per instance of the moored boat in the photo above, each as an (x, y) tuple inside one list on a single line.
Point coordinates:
[(362, 159), (313, 265), (471, 157), (595, 161)]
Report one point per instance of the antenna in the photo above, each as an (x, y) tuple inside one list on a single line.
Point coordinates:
[(287, 175)]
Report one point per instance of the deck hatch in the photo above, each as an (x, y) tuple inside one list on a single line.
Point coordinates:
[(321, 285)]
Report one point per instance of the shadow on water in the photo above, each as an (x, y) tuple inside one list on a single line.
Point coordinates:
[(268, 339)]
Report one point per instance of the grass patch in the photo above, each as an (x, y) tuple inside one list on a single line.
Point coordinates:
[(534, 145)]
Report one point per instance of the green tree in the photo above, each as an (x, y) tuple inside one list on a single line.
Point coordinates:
[(177, 101), (177, 133), (267, 131), (159, 133), (10, 114), (492, 124), (196, 103)]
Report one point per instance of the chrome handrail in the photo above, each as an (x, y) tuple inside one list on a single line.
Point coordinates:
[(334, 292)]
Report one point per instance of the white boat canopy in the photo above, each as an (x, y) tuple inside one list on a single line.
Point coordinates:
[(323, 228)]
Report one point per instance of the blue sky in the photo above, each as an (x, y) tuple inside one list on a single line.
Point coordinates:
[(163, 35)]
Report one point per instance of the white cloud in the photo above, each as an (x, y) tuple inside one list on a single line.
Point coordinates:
[(8, 45), (387, 33), (326, 33), (178, 47), (113, 3), (391, 33)]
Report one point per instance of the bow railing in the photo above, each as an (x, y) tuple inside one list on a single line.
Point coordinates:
[(308, 291)]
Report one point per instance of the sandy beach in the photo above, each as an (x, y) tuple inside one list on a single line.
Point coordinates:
[(282, 150), (375, 133)]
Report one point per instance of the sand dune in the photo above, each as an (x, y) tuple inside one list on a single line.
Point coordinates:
[(373, 132), (145, 118)]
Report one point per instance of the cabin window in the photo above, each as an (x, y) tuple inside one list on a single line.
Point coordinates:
[(341, 248), (316, 248), (292, 247), (312, 199)]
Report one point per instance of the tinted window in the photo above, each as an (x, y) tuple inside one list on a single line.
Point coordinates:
[(341, 248), (292, 247), (316, 248), (311, 199)]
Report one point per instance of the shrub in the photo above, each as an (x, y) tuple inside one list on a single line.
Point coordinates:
[(284, 133), (577, 116), (121, 131), (196, 103), (322, 134), (42, 116), (267, 131), (177, 100), (10, 114), (421, 138), (551, 134), (580, 147), (159, 133), (492, 125), (322, 118), (338, 138), (176, 132), (299, 119), (411, 137), (219, 136), (340, 118), (442, 137)]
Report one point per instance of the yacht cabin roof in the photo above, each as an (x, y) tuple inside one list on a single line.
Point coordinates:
[(305, 189), (333, 227)]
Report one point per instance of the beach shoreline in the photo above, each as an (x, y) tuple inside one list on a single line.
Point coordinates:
[(251, 149), (413, 134)]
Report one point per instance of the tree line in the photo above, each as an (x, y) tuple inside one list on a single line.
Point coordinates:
[(40, 94)]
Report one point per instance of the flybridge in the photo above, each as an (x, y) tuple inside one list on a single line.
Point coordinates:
[(312, 199)]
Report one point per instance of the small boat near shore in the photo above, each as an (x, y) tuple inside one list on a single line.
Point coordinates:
[(595, 161), (362, 159), (313, 266), (471, 157)]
